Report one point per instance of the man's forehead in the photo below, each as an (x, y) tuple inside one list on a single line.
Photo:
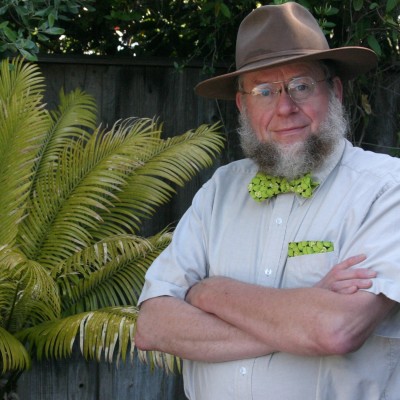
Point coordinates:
[(284, 72)]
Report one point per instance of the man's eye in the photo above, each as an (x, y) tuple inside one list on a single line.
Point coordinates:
[(301, 87), (262, 91), (265, 92)]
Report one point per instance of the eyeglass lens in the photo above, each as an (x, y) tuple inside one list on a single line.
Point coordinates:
[(299, 89)]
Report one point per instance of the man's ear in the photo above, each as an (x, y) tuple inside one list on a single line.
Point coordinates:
[(239, 100), (338, 88)]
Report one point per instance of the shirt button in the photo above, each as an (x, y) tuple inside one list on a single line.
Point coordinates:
[(268, 271), (243, 370), (278, 221)]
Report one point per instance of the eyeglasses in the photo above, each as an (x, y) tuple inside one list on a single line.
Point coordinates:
[(299, 89)]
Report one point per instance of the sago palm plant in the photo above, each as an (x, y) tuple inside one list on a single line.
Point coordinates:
[(72, 200)]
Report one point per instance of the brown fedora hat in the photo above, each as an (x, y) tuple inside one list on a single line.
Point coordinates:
[(275, 35)]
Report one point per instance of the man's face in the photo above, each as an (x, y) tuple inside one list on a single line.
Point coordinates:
[(288, 138), (285, 121)]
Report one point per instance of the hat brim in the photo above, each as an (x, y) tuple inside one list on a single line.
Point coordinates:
[(349, 61)]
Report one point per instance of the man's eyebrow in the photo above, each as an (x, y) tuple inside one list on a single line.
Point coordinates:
[(261, 81)]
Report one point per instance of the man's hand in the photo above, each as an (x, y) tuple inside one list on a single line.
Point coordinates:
[(344, 280)]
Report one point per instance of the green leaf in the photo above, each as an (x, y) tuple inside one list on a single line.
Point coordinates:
[(391, 5), (42, 38), (374, 44), (55, 31), (225, 10), (7, 47), (10, 34), (327, 24), (13, 354), (28, 45), (3, 10), (28, 55), (331, 11), (51, 19), (22, 11), (43, 12), (358, 4)]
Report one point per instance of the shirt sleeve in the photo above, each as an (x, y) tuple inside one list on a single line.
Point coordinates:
[(379, 238), (184, 262)]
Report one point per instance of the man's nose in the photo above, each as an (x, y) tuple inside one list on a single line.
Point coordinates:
[(285, 104)]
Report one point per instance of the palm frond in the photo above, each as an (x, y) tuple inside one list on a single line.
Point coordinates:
[(172, 162), (86, 177), (75, 118), (8, 292), (19, 77), (13, 355), (23, 121), (38, 299), (71, 123), (197, 149), (29, 294), (166, 361), (108, 332), (109, 273), (103, 334)]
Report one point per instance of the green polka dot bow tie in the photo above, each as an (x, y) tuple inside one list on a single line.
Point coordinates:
[(263, 186)]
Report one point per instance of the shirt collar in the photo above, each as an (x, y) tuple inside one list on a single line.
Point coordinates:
[(322, 173)]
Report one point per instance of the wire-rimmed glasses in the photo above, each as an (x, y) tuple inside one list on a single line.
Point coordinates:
[(299, 89)]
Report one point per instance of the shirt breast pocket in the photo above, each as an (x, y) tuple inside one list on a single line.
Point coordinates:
[(307, 270)]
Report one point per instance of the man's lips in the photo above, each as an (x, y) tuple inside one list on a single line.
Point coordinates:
[(289, 134), (289, 130)]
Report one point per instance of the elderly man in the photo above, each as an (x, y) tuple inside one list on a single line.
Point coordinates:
[(282, 280)]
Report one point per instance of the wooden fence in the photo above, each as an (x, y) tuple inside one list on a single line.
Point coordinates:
[(77, 379), (123, 89)]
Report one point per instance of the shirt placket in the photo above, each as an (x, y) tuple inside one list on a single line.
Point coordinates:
[(275, 252), (243, 379)]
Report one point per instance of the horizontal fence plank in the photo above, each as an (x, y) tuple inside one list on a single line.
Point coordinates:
[(76, 379)]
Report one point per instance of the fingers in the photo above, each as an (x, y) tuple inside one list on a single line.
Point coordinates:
[(351, 261), (347, 290), (357, 273), (350, 286), (343, 270), (345, 278)]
